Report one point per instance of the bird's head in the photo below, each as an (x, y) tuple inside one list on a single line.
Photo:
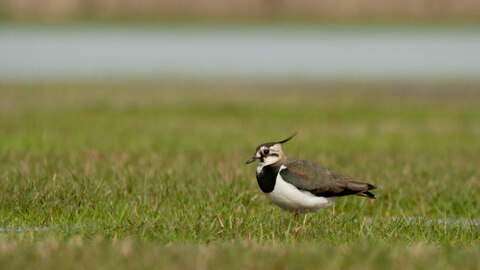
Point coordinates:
[(269, 153)]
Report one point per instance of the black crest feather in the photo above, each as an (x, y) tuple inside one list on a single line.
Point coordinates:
[(289, 138)]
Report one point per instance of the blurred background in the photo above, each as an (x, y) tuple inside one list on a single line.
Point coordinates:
[(246, 40), (350, 10)]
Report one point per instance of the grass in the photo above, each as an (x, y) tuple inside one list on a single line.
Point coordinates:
[(138, 175)]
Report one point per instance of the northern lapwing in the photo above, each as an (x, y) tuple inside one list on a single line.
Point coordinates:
[(301, 186)]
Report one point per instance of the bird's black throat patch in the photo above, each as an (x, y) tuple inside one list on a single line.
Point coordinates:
[(267, 177)]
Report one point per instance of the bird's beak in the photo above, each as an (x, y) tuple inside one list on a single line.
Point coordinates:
[(251, 160)]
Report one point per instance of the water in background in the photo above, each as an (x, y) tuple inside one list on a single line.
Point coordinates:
[(262, 53)]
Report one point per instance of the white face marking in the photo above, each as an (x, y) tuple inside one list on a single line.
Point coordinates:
[(288, 197), (276, 148), (271, 160)]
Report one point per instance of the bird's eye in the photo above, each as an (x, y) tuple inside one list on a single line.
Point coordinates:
[(266, 151)]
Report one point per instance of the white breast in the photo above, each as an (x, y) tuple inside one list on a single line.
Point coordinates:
[(288, 197)]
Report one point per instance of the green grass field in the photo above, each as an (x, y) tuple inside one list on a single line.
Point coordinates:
[(144, 175)]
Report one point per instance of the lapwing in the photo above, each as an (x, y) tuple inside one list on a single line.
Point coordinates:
[(301, 186)]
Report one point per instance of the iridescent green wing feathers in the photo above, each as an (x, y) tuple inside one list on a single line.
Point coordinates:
[(320, 181)]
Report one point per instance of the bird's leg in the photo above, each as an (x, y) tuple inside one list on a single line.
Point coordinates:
[(295, 214), (305, 219), (303, 226)]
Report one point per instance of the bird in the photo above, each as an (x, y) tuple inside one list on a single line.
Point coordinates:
[(301, 186)]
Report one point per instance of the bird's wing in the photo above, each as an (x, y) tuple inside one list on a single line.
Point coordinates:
[(320, 181)]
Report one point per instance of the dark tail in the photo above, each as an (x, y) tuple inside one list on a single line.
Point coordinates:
[(367, 193)]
